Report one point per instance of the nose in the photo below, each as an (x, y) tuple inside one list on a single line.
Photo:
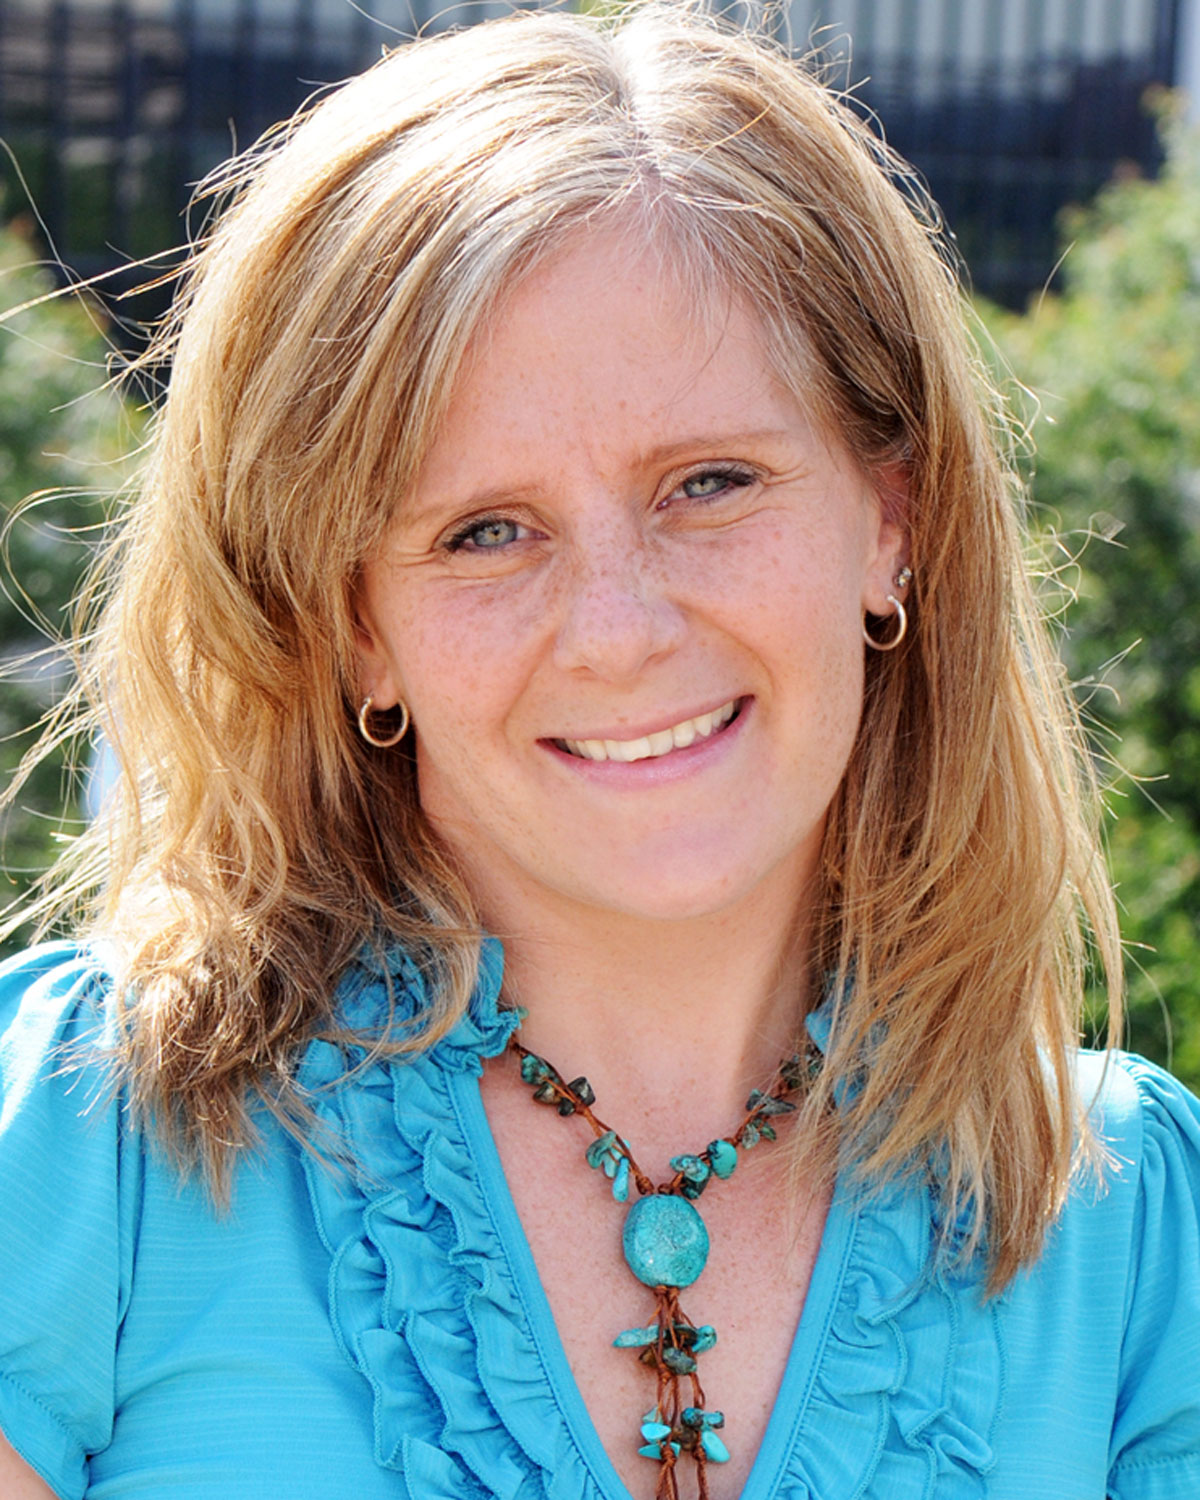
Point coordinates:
[(617, 611)]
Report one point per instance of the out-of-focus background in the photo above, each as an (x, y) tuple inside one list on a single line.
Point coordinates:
[(1060, 138)]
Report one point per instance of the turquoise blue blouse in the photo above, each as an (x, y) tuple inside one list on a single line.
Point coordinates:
[(378, 1330)]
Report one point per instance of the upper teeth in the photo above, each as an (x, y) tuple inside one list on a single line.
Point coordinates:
[(678, 737)]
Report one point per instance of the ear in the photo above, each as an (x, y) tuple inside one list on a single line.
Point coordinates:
[(377, 674), (889, 540)]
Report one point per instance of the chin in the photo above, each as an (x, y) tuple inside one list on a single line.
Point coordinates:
[(678, 895)]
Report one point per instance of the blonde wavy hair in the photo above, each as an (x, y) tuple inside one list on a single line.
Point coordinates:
[(255, 842)]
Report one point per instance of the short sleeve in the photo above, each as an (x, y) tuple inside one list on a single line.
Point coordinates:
[(1156, 1432), (63, 1196)]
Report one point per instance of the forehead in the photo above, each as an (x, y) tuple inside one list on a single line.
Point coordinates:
[(613, 332), (557, 288)]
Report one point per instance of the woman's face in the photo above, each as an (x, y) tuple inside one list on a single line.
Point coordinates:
[(623, 601)]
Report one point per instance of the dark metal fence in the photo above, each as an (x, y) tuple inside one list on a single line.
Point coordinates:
[(113, 109)]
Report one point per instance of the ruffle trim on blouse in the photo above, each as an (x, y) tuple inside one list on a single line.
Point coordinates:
[(906, 1380), (909, 1380), (910, 1377), (421, 1298)]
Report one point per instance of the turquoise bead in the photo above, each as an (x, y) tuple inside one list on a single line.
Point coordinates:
[(599, 1152), (620, 1186), (694, 1168), (582, 1090), (771, 1106), (535, 1069), (697, 1417), (654, 1432), (665, 1241), (679, 1361), (636, 1338), (695, 1338), (714, 1449), (723, 1156), (654, 1450)]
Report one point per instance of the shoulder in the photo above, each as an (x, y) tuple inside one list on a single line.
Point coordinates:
[(1145, 1223), (1147, 1122), (1145, 1175), (1149, 1125), (1126, 1243), (1099, 1338), (44, 978), (58, 1108), (56, 1017), (65, 1251)]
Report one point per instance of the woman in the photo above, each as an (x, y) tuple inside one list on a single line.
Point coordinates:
[(574, 518)]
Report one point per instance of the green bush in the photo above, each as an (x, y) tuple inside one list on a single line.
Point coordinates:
[(63, 436), (1114, 362)]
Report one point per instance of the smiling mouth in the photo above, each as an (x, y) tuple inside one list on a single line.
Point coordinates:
[(662, 742)]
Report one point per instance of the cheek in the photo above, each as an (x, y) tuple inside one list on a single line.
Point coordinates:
[(800, 591), (803, 616), (463, 656)]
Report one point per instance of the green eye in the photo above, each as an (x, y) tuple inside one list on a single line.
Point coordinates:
[(494, 533), (701, 486), (711, 484), (486, 536)]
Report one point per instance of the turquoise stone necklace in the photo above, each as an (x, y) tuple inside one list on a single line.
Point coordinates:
[(665, 1242)]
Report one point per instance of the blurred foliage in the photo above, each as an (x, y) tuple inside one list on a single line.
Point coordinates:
[(1114, 364), (63, 435)]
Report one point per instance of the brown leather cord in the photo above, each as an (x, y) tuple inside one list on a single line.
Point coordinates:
[(672, 1323)]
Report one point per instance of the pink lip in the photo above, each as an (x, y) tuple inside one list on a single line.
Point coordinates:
[(632, 732), (656, 770)]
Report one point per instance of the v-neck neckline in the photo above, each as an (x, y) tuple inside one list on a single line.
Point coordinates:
[(808, 1342)]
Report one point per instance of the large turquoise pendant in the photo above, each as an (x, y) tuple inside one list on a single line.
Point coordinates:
[(665, 1241), (666, 1247)]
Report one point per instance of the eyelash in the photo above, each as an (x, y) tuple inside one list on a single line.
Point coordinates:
[(736, 476), (459, 540)]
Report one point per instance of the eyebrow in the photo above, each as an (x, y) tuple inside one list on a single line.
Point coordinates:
[(702, 444), (664, 452)]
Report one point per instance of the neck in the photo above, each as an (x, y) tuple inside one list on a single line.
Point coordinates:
[(672, 1022)]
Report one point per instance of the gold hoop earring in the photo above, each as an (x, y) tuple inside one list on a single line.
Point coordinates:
[(365, 731), (901, 632)]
